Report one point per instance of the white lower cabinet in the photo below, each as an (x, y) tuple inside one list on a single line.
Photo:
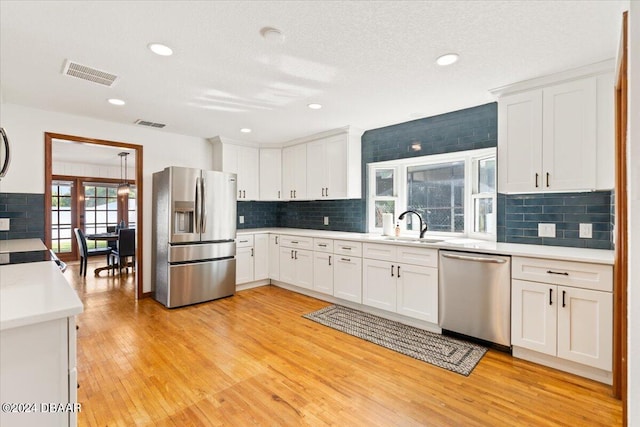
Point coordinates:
[(296, 267), (38, 364), (244, 259), (323, 272), (417, 292), (566, 322), (274, 257), (401, 279), (347, 278), (252, 258)]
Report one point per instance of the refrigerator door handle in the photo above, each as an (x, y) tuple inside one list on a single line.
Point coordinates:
[(203, 205), (197, 207)]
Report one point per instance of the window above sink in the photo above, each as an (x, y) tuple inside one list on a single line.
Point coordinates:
[(455, 193)]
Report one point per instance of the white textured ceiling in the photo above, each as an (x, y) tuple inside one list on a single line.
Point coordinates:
[(370, 64)]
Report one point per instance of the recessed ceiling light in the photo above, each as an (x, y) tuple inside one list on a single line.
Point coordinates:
[(272, 35), (160, 49), (315, 106), (245, 130), (447, 59), (115, 101)]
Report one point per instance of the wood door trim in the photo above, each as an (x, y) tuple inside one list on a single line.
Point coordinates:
[(48, 163), (620, 369)]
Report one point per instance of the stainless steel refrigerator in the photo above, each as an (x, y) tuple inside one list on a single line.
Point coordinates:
[(194, 227)]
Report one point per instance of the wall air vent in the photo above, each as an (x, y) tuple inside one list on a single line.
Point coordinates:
[(84, 72), (150, 124)]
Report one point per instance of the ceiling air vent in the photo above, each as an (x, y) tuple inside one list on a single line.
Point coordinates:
[(84, 72), (150, 124)]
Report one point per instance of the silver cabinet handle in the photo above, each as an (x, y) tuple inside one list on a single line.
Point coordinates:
[(346, 259), (295, 254), (536, 180), (398, 271), (392, 270), (251, 251), (547, 179), (329, 259), (475, 258)]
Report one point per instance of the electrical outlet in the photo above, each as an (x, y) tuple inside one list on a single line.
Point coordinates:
[(546, 230), (326, 220), (586, 231), (5, 224), (241, 219)]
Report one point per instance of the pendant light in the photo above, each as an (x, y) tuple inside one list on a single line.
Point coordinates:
[(123, 188)]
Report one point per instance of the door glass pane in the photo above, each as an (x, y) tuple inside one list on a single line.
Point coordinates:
[(101, 209), (384, 182), (436, 192), (61, 216)]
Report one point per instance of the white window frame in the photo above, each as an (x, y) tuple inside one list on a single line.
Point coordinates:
[(470, 159)]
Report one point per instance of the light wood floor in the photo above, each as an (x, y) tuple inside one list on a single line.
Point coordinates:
[(253, 360)]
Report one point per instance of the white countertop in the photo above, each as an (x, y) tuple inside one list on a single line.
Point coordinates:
[(21, 245), (598, 256), (35, 292)]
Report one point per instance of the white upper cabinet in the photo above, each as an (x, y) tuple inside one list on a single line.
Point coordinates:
[(333, 167), (270, 174), (557, 137), (294, 172), (241, 160)]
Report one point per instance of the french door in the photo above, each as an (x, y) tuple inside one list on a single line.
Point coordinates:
[(90, 204)]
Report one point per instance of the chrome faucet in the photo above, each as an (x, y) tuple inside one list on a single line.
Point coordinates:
[(422, 230)]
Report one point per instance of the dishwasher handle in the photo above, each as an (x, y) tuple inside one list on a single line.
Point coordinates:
[(474, 258)]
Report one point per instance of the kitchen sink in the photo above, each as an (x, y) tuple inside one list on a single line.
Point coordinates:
[(412, 239)]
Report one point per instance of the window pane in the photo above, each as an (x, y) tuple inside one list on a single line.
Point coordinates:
[(487, 175), (436, 192), (384, 182), (483, 210), (383, 206)]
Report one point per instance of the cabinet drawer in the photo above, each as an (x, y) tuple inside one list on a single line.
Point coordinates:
[(418, 256), (296, 242), (244, 241), (323, 245), (347, 248), (379, 251), (598, 277)]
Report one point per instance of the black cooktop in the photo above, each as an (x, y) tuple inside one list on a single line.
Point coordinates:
[(25, 257)]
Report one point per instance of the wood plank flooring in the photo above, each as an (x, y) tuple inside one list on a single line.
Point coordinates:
[(253, 360)]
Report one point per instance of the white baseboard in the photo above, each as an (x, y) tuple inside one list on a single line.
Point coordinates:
[(564, 365)]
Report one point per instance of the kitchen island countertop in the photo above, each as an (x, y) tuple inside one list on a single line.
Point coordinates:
[(35, 292)]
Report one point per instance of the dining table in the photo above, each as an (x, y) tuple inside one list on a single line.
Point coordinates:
[(107, 237)]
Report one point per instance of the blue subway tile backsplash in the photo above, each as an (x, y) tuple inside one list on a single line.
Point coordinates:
[(520, 214), (26, 213)]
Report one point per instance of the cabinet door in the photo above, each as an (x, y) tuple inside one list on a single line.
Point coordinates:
[(244, 265), (585, 326), (274, 257), (520, 142), (417, 289), (248, 167), (316, 170), (287, 265), (304, 268), (323, 272), (270, 174), (347, 278), (294, 173), (533, 316), (261, 257), (336, 167), (569, 136), (379, 284)]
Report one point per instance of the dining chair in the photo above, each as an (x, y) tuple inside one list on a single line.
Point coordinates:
[(126, 247), (85, 253)]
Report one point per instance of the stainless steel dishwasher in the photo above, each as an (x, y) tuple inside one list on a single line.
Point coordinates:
[(475, 295)]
